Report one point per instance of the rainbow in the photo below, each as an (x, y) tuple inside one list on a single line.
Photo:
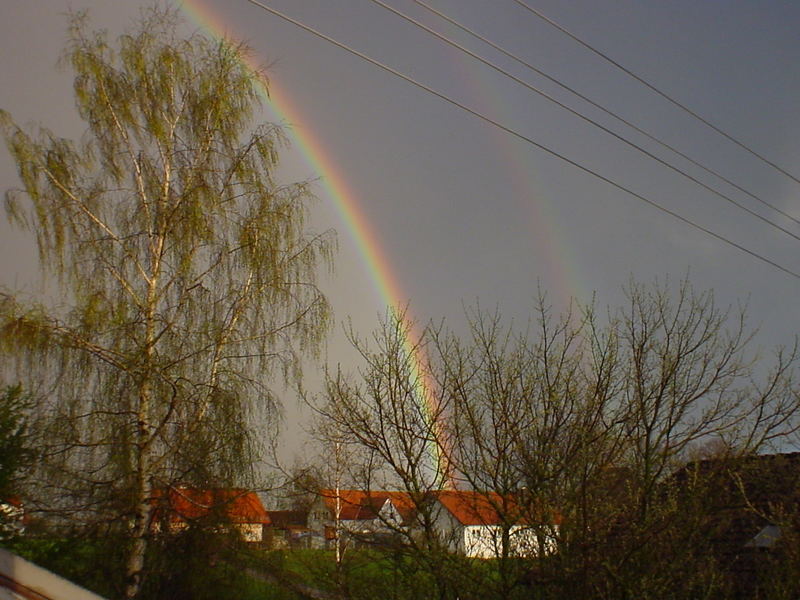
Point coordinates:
[(556, 258), (364, 237)]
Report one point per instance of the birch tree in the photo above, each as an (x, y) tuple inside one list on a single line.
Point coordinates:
[(186, 274)]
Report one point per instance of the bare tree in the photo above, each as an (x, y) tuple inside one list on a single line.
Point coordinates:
[(186, 273), (388, 421), (687, 375), (574, 426)]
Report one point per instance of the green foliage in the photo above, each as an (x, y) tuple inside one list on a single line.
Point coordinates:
[(193, 564), (15, 447), (17, 454), (91, 562), (200, 563)]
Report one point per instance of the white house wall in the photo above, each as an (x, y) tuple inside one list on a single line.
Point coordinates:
[(448, 529), (486, 541), (251, 532)]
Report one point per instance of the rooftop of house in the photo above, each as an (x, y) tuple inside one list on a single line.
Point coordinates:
[(287, 519), (747, 502), (467, 507), (761, 479), (743, 495), (187, 504), (365, 505), (477, 508)]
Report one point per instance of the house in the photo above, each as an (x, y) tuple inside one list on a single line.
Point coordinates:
[(474, 524), (488, 525), (751, 508), (753, 497), (364, 516), (287, 529), (177, 507)]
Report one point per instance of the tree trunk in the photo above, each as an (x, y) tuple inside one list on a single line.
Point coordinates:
[(141, 528)]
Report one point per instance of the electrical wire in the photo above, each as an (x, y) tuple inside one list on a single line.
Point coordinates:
[(653, 88), (519, 136), (602, 108), (583, 117)]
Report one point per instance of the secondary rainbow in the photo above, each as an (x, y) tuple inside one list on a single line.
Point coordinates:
[(553, 256), (358, 228)]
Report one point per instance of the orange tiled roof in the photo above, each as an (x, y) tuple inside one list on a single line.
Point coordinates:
[(363, 505), (467, 507), (186, 504), (476, 508)]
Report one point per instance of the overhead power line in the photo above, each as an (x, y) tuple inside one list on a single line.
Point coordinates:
[(653, 88), (519, 136), (602, 108), (583, 117)]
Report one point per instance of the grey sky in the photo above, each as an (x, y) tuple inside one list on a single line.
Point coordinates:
[(465, 212)]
